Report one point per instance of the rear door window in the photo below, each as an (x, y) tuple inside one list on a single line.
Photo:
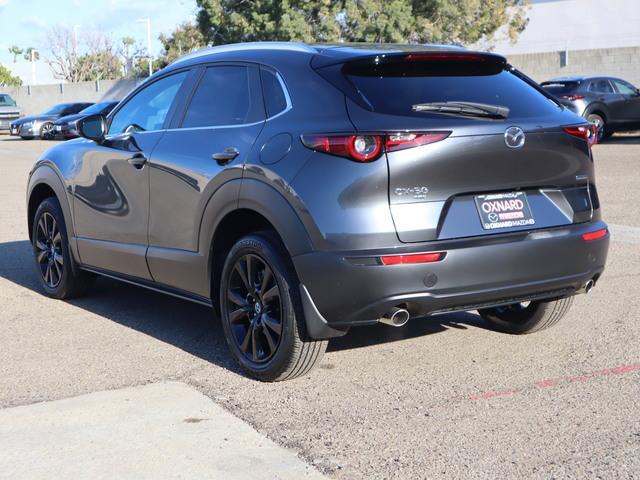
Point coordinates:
[(601, 85), (395, 87), (226, 95)]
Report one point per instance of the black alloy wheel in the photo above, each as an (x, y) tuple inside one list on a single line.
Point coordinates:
[(261, 310), (60, 276), (48, 245), (254, 308)]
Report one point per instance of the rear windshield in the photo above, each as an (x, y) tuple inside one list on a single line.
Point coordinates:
[(560, 88), (396, 87)]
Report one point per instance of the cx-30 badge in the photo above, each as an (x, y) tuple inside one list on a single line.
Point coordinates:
[(514, 137)]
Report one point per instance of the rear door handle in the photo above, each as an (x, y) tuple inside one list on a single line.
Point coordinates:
[(226, 156), (138, 160)]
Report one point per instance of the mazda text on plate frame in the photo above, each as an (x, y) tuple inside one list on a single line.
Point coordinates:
[(304, 190)]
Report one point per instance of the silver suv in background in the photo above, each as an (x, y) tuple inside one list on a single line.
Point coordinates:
[(9, 111)]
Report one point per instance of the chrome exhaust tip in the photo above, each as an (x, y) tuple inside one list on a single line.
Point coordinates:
[(397, 317), (588, 286)]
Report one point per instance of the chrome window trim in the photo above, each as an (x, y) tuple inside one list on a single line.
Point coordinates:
[(288, 107)]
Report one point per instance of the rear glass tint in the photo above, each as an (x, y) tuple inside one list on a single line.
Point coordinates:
[(395, 87), (560, 88)]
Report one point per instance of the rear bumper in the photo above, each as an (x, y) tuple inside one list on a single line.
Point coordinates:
[(349, 288)]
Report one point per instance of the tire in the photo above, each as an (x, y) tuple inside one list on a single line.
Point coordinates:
[(520, 318), (598, 121), (261, 312), (46, 131), (58, 275)]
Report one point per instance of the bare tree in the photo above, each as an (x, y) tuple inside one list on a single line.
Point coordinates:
[(92, 57)]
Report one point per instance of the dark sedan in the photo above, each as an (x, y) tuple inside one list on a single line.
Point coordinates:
[(612, 104), (67, 127), (41, 125)]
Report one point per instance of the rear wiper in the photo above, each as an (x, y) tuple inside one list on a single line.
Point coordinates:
[(469, 109)]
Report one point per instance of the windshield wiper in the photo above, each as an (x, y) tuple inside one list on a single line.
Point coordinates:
[(468, 109)]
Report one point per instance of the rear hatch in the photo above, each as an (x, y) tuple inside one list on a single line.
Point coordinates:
[(479, 179)]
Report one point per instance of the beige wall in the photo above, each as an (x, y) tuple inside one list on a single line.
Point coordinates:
[(39, 98), (615, 62)]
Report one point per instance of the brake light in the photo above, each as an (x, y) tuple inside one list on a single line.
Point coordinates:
[(443, 56), (410, 258), (586, 132), (369, 147), (588, 237), (571, 98)]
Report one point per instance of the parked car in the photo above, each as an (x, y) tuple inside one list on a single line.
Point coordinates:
[(612, 104), (305, 190), (9, 111), (66, 127), (42, 125)]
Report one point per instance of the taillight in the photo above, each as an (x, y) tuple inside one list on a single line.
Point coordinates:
[(369, 147), (361, 148), (400, 141), (571, 98), (409, 258), (586, 132), (598, 234)]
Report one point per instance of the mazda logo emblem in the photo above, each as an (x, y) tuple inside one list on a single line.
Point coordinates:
[(514, 137)]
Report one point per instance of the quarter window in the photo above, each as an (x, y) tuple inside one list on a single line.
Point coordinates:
[(148, 109), (224, 97), (275, 99)]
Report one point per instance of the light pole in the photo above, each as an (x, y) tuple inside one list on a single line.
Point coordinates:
[(148, 22), (33, 52), (75, 39)]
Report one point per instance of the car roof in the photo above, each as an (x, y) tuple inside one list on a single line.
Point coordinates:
[(578, 79), (331, 51)]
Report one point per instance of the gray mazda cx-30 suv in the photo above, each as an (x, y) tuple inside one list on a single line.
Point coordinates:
[(304, 190)]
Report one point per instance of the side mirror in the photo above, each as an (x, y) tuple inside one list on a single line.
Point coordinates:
[(93, 127)]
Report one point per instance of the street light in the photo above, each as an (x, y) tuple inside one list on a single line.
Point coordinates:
[(148, 22), (75, 39)]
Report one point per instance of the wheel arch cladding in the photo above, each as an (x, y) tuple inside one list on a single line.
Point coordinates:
[(44, 183)]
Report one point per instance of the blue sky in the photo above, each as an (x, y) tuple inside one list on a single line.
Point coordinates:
[(25, 23)]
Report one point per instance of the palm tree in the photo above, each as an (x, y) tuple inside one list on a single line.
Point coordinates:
[(15, 51)]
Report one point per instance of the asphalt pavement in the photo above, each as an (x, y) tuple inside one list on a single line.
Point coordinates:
[(443, 397)]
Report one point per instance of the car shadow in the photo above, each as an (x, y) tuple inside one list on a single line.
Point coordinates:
[(631, 138), (192, 327)]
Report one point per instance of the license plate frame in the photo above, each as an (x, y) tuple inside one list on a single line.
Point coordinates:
[(504, 210)]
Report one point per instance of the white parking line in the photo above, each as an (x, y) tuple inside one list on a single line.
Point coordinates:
[(625, 233), (163, 430)]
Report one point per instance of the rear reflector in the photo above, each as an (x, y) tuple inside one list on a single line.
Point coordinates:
[(429, 257), (586, 132), (588, 237)]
